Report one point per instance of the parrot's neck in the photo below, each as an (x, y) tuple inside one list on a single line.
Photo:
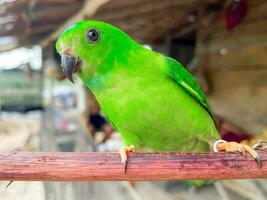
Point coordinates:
[(112, 71), (126, 76)]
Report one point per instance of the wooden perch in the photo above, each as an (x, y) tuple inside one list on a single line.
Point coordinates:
[(59, 166)]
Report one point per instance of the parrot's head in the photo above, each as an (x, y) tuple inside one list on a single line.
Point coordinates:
[(88, 47)]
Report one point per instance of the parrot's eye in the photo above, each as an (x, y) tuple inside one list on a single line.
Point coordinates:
[(92, 35)]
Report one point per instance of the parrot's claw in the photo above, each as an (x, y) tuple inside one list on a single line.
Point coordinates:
[(9, 183), (222, 145), (260, 145), (124, 155)]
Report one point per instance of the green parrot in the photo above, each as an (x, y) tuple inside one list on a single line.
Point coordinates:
[(150, 99)]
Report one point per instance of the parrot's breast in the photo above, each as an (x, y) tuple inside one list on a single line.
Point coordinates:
[(154, 112)]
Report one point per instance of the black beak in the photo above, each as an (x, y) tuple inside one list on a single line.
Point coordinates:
[(69, 65)]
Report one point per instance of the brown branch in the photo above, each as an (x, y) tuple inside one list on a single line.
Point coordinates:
[(43, 166)]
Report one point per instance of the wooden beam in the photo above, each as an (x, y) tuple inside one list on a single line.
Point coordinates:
[(59, 166), (144, 8), (185, 30), (90, 8)]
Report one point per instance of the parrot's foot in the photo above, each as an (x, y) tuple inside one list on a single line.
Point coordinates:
[(260, 145), (124, 155), (222, 145)]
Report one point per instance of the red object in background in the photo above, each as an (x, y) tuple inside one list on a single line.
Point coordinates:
[(229, 132), (235, 12), (230, 136)]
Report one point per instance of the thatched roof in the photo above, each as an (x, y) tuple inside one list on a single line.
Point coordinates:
[(27, 22)]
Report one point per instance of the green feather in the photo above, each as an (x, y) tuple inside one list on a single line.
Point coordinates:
[(178, 73), (136, 90)]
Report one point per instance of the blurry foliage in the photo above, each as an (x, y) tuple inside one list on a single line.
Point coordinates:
[(20, 89)]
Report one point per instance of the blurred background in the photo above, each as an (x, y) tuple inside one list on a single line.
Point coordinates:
[(223, 42)]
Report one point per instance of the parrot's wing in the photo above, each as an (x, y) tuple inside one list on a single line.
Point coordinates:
[(178, 73)]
